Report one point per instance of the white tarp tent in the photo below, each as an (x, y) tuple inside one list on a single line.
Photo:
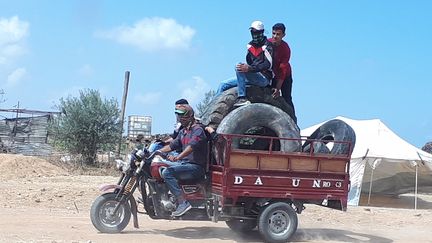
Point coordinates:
[(382, 162)]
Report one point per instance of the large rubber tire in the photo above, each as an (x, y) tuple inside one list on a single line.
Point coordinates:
[(219, 107), (223, 104), (241, 225), (101, 219), (334, 130), (243, 118), (264, 95), (318, 148), (277, 222)]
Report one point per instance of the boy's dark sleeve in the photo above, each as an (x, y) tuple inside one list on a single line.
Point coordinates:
[(198, 136), (176, 143)]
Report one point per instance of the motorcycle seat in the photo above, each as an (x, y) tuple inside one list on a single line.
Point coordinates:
[(201, 180)]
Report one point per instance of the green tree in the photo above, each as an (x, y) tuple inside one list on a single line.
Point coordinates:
[(202, 106), (88, 124)]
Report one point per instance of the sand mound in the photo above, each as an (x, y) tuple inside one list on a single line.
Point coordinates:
[(20, 166)]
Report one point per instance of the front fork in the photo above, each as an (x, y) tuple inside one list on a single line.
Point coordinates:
[(125, 192)]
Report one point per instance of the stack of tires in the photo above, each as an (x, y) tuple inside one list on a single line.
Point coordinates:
[(266, 116)]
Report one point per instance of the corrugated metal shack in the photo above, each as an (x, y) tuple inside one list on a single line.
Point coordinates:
[(25, 135)]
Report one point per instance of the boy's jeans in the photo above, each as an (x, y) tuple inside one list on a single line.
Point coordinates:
[(241, 81), (250, 78), (180, 170)]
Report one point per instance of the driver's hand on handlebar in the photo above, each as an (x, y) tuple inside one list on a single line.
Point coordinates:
[(162, 154), (172, 158)]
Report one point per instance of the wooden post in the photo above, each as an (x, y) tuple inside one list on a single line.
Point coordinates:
[(416, 183), (14, 132), (123, 109)]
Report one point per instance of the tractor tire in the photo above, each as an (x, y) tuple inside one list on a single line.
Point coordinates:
[(223, 104), (333, 130), (264, 95), (219, 107), (259, 115)]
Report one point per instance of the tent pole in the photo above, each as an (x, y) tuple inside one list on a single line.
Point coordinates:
[(370, 186), (415, 195)]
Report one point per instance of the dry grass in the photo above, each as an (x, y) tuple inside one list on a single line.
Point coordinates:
[(75, 167)]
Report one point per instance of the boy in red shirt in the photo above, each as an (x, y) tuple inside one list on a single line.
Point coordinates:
[(281, 66)]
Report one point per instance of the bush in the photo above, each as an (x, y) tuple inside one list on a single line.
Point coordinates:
[(88, 124)]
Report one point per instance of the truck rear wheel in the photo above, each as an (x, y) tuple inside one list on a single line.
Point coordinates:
[(241, 225), (277, 222)]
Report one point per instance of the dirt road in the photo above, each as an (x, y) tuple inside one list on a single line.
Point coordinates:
[(38, 207), (56, 209), (35, 225)]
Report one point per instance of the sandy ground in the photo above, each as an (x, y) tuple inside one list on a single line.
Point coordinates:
[(44, 203)]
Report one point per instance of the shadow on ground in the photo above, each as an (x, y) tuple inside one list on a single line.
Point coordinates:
[(302, 235), (322, 235)]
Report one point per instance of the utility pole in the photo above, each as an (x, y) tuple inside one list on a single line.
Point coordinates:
[(123, 109), (14, 132)]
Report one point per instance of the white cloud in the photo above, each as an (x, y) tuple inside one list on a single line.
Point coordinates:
[(13, 33), (12, 30), (149, 98), (86, 71), (194, 90), (152, 34), (16, 76)]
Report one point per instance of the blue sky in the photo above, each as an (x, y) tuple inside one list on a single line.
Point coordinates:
[(359, 59)]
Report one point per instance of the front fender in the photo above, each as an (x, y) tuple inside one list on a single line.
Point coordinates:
[(109, 187)]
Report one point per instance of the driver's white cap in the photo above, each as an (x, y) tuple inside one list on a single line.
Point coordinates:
[(257, 25)]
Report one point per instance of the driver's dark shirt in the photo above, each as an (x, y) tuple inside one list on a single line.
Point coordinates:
[(196, 138)]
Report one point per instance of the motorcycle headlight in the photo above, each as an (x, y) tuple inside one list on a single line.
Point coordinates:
[(126, 167), (122, 166), (119, 164)]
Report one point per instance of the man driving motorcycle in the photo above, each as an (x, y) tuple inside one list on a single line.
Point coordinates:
[(178, 127), (191, 162)]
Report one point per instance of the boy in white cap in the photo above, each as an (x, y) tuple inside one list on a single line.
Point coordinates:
[(258, 67)]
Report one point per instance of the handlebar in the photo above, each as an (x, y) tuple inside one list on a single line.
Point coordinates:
[(140, 155), (162, 154)]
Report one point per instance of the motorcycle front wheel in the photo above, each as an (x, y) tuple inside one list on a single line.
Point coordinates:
[(102, 215)]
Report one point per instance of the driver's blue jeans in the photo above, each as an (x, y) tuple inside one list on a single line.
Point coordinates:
[(180, 170)]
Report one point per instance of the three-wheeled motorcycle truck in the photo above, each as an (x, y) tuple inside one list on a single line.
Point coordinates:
[(245, 187)]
